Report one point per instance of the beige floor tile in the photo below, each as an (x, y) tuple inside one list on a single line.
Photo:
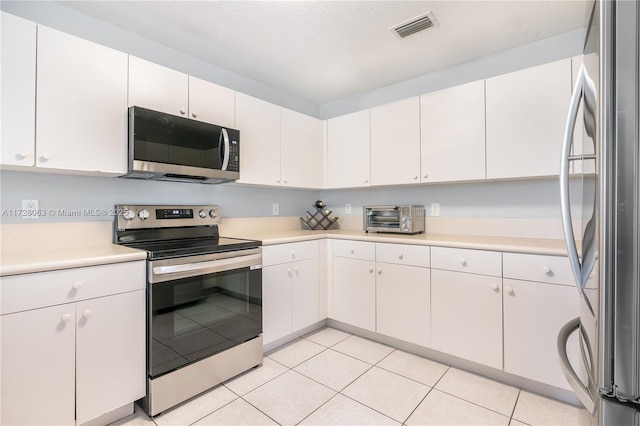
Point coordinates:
[(196, 408), (333, 369), (296, 352), (256, 376), (479, 390), (341, 410), (327, 336), (414, 367), (138, 418), (363, 349), (537, 410), (239, 412), (439, 408), (289, 398), (388, 393)]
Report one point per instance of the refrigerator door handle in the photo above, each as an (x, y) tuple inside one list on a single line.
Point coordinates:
[(565, 206), (582, 392)]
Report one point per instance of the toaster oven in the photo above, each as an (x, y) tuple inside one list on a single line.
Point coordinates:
[(399, 219)]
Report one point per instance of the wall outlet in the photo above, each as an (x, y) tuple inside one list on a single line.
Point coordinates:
[(30, 209), (276, 209), (347, 208), (435, 209)]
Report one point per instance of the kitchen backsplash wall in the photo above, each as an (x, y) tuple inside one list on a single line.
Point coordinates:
[(67, 198)]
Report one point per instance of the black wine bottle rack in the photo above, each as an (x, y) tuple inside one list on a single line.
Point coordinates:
[(320, 219)]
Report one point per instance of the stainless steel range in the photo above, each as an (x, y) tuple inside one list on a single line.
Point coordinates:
[(204, 299)]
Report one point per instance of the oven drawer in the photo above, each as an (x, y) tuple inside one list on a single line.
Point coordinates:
[(403, 254), (464, 260), (354, 249), (290, 252), (37, 290)]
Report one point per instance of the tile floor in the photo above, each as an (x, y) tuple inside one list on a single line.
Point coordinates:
[(330, 377)]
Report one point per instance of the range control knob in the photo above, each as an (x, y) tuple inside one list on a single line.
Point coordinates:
[(128, 214), (213, 213), (143, 214), (202, 213)]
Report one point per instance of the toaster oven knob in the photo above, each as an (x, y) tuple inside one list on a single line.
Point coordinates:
[(213, 213), (128, 214), (143, 214), (202, 213)]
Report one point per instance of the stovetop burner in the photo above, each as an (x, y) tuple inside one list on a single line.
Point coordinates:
[(174, 231)]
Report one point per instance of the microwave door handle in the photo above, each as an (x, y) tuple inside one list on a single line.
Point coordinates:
[(565, 207), (224, 144)]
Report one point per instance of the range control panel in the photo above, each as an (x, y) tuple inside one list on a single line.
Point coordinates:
[(149, 216)]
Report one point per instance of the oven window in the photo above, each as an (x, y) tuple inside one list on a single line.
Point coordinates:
[(193, 318)]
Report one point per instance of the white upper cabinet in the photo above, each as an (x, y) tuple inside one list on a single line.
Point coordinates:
[(158, 88), (395, 143), (300, 150), (82, 104), (18, 90), (211, 103), (526, 113), (348, 150), (259, 125), (452, 125)]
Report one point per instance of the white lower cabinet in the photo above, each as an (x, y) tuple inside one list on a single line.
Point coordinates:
[(354, 292), (291, 292), (70, 363)]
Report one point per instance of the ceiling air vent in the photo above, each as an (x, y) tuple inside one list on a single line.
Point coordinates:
[(414, 25)]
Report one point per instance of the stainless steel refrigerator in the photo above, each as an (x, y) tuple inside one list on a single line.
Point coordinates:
[(600, 193)]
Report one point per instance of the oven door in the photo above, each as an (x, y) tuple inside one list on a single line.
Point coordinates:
[(202, 305)]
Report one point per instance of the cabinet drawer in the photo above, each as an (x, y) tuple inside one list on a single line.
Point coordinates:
[(402, 254), (354, 249), (541, 268), (283, 253), (37, 290), (463, 260)]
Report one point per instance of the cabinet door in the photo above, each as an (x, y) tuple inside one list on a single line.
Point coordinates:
[(18, 90), (259, 125), (403, 302), (526, 113), (38, 364), (305, 294), (466, 316), (452, 134), (211, 103), (534, 313), (276, 302), (158, 88), (301, 150), (395, 143), (348, 150), (354, 292), (82, 104), (110, 353)]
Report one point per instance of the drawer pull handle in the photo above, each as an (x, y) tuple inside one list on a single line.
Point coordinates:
[(295, 268), (293, 254), (371, 270), (400, 256), (546, 270), (352, 251), (463, 261), (379, 271), (494, 287), (77, 285), (86, 313), (510, 290), (289, 271), (65, 317)]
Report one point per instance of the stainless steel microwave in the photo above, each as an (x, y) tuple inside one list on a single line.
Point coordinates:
[(400, 219), (168, 147)]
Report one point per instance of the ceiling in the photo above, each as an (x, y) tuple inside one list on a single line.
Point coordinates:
[(322, 51)]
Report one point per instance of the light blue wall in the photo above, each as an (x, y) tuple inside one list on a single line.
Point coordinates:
[(489, 199)]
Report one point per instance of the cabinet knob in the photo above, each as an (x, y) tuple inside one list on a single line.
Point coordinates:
[(23, 154), (494, 286), (379, 271), (426, 175), (293, 254), (546, 270), (183, 111), (510, 291), (463, 261), (371, 270), (76, 285), (400, 256), (46, 156), (284, 180), (194, 114), (86, 313), (295, 269), (415, 177), (278, 181), (65, 317), (289, 271), (366, 181)]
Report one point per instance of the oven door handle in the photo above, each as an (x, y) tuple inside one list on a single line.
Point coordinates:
[(173, 272)]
